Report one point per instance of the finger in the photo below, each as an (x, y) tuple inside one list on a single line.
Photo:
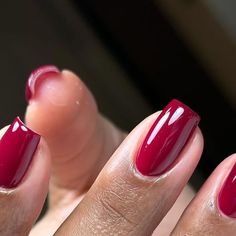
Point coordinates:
[(63, 110), (213, 210), (24, 177), (138, 186)]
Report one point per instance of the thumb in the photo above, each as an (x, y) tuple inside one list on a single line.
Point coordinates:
[(24, 177), (74, 131)]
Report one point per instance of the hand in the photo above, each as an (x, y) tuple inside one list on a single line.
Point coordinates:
[(71, 103), (124, 199)]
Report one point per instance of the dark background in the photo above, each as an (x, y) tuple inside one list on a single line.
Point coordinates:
[(129, 53)]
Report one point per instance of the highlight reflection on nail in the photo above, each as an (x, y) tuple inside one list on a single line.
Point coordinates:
[(166, 138), (227, 195), (17, 147)]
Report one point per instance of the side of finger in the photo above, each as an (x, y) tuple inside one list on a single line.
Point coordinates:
[(213, 210), (143, 179)]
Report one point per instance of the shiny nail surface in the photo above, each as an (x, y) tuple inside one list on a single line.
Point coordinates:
[(227, 195), (166, 138), (36, 76), (17, 147)]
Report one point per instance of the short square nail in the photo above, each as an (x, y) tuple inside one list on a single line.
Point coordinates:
[(36, 76), (166, 138), (227, 195), (17, 147)]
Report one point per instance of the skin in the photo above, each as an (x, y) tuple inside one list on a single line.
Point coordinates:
[(94, 188)]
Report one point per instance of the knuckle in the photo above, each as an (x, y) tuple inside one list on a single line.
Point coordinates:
[(119, 203), (115, 213)]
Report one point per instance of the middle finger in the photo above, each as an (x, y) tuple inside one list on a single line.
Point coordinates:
[(138, 186)]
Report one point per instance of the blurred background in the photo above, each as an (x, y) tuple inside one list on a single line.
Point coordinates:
[(134, 55)]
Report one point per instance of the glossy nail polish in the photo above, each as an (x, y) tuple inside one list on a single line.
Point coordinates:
[(37, 76), (17, 147), (166, 138), (227, 195)]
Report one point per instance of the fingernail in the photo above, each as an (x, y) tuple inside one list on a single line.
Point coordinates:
[(17, 147), (36, 76), (227, 195), (166, 138)]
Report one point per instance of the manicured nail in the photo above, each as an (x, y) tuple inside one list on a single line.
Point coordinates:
[(17, 147), (166, 138), (36, 76), (227, 195)]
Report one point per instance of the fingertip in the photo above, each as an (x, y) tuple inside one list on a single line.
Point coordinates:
[(25, 172), (59, 100), (172, 134), (25, 157), (63, 110), (213, 210)]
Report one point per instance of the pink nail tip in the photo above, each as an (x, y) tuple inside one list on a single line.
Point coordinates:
[(17, 148), (36, 76)]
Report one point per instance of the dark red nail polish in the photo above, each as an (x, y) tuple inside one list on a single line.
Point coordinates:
[(36, 76), (166, 138), (17, 148), (227, 195)]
